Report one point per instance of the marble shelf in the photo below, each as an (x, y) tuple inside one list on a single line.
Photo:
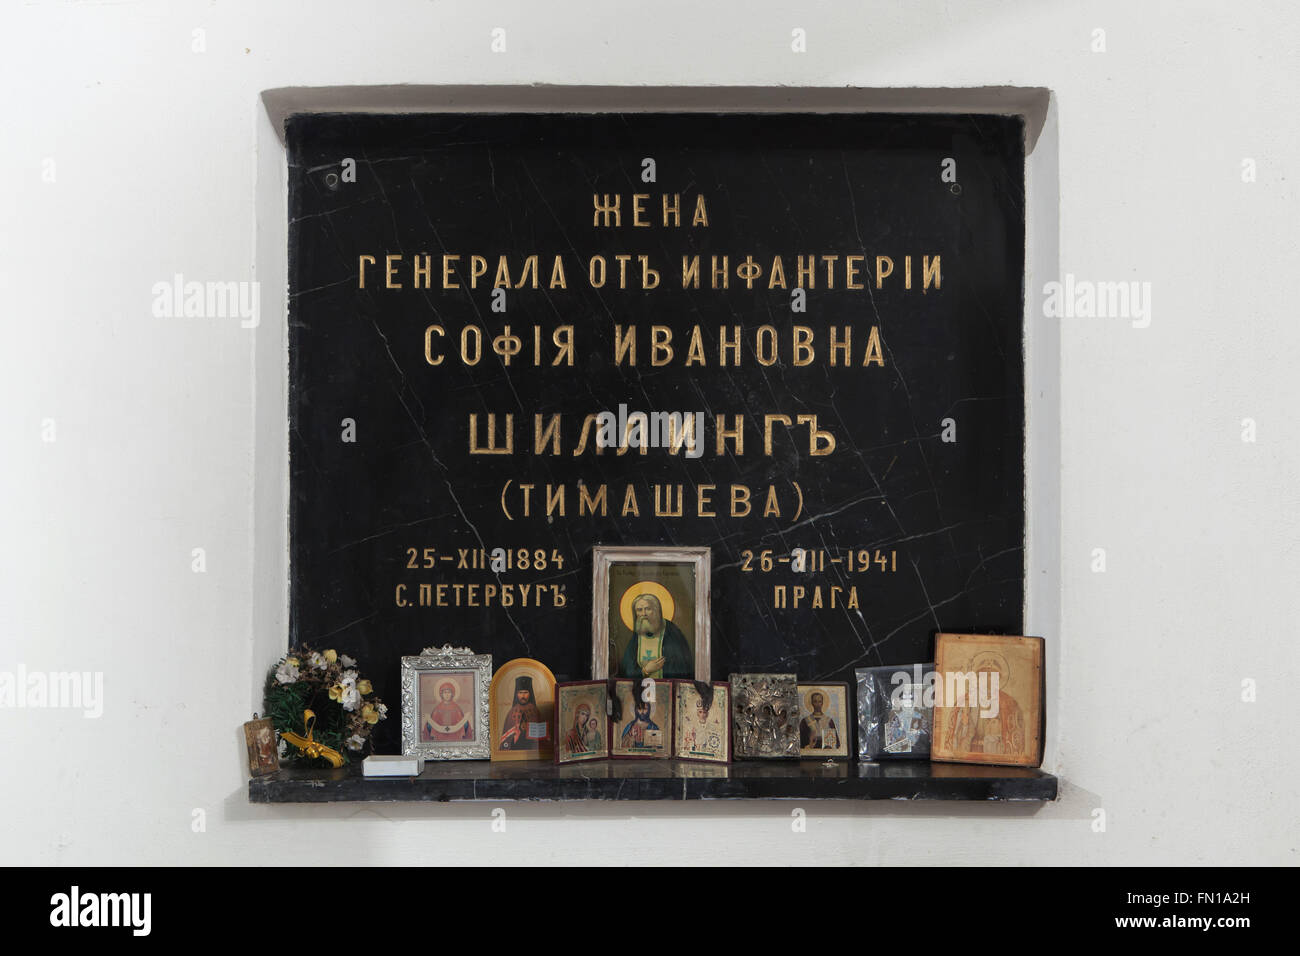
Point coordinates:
[(450, 781)]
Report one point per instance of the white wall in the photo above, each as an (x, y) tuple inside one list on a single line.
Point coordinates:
[(156, 427)]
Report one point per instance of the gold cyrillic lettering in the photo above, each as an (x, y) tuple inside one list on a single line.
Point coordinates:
[(723, 273), (464, 344), (768, 420), (587, 503), (426, 272), (674, 210), (683, 435), (629, 503), (502, 279), (491, 448), (608, 209), (929, 271), (563, 339), (830, 270), (530, 268), (737, 435), (701, 217), (428, 344), (587, 424), (884, 268), (665, 510), (803, 350), (724, 346), (649, 277), (625, 345), (807, 272), (874, 353), (765, 345), (690, 272), (838, 347), (851, 273), (661, 345), (550, 434), (815, 435), (695, 351), (776, 275), (771, 509)]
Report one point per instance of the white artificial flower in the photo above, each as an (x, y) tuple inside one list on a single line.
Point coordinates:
[(350, 676), (351, 698), (355, 742), (317, 660), (287, 672), (382, 709), (347, 661)]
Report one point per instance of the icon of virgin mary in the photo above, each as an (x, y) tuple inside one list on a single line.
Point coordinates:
[(448, 720)]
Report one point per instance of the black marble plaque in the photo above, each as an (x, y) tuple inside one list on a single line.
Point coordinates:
[(868, 270)]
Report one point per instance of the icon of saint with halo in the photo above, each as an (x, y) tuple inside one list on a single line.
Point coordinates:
[(657, 647)]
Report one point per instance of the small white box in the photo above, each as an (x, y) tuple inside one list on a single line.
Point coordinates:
[(394, 765)]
